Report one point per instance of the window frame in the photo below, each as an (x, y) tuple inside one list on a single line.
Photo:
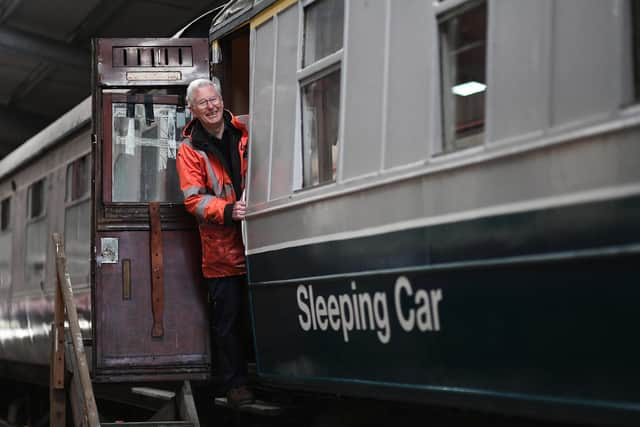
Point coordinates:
[(444, 6), (305, 75), (446, 10), (114, 215)]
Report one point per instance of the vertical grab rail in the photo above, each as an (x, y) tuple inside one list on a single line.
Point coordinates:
[(64, 284)]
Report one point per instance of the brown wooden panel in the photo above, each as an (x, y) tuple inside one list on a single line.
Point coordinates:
[(152, 61), (123, 326)]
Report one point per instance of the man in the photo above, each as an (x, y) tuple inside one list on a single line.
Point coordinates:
[(212, 164)]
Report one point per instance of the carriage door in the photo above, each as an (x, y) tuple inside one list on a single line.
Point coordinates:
[(149, 313)]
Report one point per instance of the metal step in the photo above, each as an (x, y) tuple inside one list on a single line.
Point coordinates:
[(258, 407), (153, 393), (150, 424)]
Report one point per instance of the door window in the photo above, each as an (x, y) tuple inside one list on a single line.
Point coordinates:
[(144, 153)]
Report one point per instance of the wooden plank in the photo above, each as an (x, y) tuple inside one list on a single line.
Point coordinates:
[(57, 401), (76, 335), (153, 392), (57, 339), (187, 406), (57, 398), (76, 398)]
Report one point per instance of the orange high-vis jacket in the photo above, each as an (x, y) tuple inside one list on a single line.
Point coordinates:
[(209, 195)]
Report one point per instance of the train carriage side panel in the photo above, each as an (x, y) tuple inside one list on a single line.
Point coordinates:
[(407, 114), (424, 269), (364, 78), (27, 308)]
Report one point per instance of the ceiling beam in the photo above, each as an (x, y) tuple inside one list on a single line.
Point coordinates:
[(41, 72), (43, 48), (23, 118), (7, 7), (17, 127), (101, 15)]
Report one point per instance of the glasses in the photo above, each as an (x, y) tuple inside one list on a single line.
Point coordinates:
[(204, 102)]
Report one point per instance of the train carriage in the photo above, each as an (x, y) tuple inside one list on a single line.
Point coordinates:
[(42, 194), (443, 206), (103, 175), (443, 200)]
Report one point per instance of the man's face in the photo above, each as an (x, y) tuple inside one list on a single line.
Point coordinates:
[(207, 106)]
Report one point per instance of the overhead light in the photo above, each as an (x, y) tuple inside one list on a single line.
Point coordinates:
[(468, 88)]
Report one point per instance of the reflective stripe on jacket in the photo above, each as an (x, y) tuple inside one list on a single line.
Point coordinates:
[(209, 195)]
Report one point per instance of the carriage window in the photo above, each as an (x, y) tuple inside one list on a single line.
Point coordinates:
[(463, 52), (35, 199), (320, 91), (323, 22), (77, 217), (635, 17), (77, 179), (5, 244), (36, 254), (5, 212), (320, 128), (144, 153)]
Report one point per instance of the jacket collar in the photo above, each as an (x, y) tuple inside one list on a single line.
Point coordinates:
[(200, 137)]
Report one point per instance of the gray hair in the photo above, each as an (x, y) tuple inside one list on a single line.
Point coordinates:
[(198, 83)]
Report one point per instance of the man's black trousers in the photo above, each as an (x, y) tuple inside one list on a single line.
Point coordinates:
[(228, 301)]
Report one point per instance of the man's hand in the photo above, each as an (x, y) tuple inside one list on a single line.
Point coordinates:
[(239, 210)]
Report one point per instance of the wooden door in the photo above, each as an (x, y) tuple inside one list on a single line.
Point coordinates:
[(150, 316)]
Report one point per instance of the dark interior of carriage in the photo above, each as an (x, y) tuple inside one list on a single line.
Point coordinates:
[(233, 70)]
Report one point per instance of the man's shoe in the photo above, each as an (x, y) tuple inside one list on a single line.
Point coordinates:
[(239, 396)]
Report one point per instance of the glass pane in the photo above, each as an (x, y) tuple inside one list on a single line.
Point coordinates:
[(5, 260), (320, 115), (5, 210), (144, 154), (77, 242), (463, 50), (36, 254), (323, 28)]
